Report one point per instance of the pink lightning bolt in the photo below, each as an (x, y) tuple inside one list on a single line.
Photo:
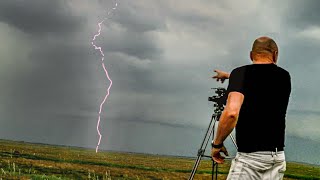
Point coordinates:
[(107, 74)]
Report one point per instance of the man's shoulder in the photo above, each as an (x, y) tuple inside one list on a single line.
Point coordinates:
[(243, 68), (284, 70), (240, 69)]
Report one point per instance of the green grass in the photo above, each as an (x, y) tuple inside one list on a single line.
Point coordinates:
[(40, 161)]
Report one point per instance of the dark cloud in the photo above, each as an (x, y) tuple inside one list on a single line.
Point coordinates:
[(55, 81), (300, 51), (128, 31), (141, 19), (136, 44), (40, 16), (302, 14), (160, 56)]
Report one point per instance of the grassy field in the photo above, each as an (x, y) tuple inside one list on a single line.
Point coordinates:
[(20, 160)]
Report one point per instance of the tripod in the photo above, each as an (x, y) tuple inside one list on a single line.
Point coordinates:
[(210, 131)]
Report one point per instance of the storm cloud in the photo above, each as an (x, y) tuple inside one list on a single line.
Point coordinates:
[(160, 56), (40, 17)]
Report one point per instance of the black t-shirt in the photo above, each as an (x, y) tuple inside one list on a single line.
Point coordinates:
[(266, 89)]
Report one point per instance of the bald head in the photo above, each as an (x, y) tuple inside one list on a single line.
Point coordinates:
[(265, 47)]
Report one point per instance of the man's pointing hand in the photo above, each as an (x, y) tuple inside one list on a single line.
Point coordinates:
[(221, 75)]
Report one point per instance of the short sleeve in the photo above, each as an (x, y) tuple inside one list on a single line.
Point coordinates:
[(236, 81), (289, 84)]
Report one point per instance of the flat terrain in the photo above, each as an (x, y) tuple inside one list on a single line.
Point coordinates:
[(20, 160)]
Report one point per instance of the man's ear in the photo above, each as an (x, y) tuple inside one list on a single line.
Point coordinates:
[(251, 56), (275, 56)]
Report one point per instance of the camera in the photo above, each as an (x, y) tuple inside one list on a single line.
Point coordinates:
[(219, 100)]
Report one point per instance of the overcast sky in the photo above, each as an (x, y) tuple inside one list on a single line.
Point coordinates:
[(160, 56)]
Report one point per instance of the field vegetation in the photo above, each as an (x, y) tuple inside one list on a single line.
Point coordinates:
[(21, 160)]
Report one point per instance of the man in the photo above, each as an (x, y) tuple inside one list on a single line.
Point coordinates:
[(258, 96)]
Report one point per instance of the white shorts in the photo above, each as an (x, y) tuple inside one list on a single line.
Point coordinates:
[(261, 165)]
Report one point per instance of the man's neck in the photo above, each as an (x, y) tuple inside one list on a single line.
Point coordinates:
[(263, 61)]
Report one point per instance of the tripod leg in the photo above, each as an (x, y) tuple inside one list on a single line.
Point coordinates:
[(195, 167), (213, 167), (216, 171), (200, 155), (234, 141), (203, 147)]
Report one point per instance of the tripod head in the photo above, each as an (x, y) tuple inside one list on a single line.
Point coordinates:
[(219, 100)]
